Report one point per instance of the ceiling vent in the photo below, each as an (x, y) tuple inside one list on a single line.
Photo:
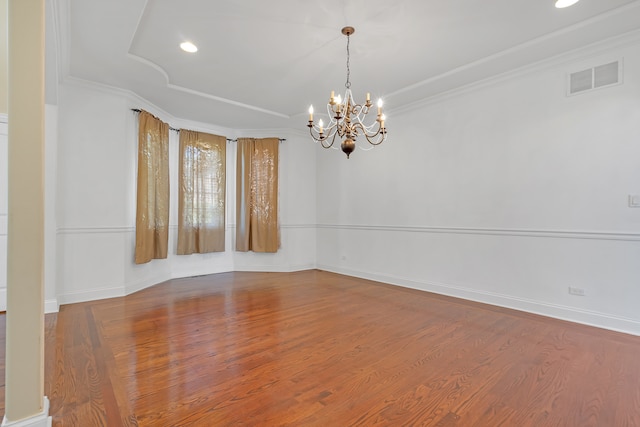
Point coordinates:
[(594, 78)]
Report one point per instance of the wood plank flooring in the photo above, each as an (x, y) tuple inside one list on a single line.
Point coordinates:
[(319, 349)]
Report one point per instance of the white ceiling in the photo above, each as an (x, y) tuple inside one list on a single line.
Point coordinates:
[(261, 63)]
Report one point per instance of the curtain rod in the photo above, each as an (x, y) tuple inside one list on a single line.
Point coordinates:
[(236, 140), (137, 110)]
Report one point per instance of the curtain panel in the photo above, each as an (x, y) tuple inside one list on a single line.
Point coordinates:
[(257, 227), (152, 208), (201, 193)]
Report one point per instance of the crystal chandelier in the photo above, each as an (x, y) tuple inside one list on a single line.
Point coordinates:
[(347, 117)]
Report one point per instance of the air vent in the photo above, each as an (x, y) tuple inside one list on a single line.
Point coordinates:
[(596, 77)]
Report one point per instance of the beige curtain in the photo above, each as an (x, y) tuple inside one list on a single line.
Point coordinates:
[(257, 195), (201, 195), (152, 213)]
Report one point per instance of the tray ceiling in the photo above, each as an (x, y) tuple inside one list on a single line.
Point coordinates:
[(260, 64)]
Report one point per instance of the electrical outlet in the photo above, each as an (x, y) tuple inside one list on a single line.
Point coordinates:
[(576, 291), (634, 201)]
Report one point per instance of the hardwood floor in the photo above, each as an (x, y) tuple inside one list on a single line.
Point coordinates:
[(319, 349)]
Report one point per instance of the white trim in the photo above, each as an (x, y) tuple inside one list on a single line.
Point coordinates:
[(51, 306), (294, 226), (139, 285), (137, 101), (41, 419), (55, 29), (558, 60), (226, 100), (302, 267), (556, 234), (273, 268), (62, 30), (191, 274), (299, 132), (3, 299), (91, 295), (116, 229), (283, 226), (170, 85), (586, 317), (95, 230)]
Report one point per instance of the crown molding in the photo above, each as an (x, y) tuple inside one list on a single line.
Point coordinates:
[(562, 59), (137, 101)]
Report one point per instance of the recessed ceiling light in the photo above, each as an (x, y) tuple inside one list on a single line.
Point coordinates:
[(565, 3), (188, 47)]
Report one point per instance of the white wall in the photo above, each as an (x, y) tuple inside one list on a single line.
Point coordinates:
[(91, 203), (97, 148), (505, 192), (50, 217)]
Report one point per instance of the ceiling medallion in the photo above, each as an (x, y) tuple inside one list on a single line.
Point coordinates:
[(347, 117)]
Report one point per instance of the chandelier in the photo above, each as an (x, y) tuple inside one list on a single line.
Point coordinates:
[(347, 117)]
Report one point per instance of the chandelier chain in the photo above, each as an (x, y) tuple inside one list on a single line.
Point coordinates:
[(348, 83)]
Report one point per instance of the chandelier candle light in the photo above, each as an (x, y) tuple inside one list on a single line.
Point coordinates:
[(347, 117)]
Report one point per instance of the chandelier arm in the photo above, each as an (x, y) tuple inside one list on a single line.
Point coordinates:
[(322, 142), (319, 138), (381, 136), (333, 139), (366, 130), (365, 127), (374, 139)]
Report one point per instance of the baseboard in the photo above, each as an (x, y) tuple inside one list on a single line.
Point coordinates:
[(39, 420), (571, 314), (275, 268), (131, 288), (51, 306), (302, 267), (91, 295)]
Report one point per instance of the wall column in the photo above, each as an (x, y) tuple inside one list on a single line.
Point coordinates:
[(25, 404)]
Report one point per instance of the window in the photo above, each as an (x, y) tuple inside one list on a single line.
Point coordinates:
[(201, 193)]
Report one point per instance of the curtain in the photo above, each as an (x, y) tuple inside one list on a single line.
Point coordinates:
[(201, 194), (257, 195), (152, 210)]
